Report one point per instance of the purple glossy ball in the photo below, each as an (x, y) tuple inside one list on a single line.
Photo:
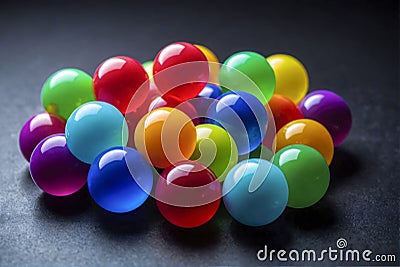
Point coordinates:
[(36, 129), (55, 170), (330, 110)]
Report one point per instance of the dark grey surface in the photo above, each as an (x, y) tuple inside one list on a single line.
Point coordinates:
[(350, 47)]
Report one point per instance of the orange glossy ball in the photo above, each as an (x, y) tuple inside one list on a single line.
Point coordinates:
[(165, 136), (307, 132)]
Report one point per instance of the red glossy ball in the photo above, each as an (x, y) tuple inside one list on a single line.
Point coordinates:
[(188, 194), (284, 110), (117, 81), (176, 79), (133, 117)]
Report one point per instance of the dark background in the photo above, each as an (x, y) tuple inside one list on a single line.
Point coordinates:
[(350, 47)]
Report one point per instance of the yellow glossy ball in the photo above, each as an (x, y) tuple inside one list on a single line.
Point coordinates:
[(214, 63), (291, 76)]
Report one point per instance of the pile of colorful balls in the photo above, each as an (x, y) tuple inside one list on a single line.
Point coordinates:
[(188, 131)]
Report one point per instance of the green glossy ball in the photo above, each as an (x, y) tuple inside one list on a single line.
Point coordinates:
[(248, 72), (306, 172), (65, 90), (216, 149)]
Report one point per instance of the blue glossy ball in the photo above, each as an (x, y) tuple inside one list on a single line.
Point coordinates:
[(243, 116), (204, 100), (120, 179), (255, 192), (210, 91), (94, 127)]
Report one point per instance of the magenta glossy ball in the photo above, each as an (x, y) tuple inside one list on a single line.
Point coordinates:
[(36, 129), (55, 170)]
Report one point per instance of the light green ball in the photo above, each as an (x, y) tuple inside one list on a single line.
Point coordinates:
[(65, 90), (306, 172), (249, 72), (216, 149)]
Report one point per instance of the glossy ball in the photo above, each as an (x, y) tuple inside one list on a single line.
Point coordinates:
[(291, 76), (120, 179), (284, 110), (54, 169), (93, 128), (331, 111), (36, 129), (204, 100), (306, 132), (65, 90), (216, 149), (174, 77), (117, 81), (133, 118), (255, 192), (306, 172), (243, 116), (186, 107), (248, 71), (188, 194), (210, 91), (148, 67), (165, 136), (213, 63)]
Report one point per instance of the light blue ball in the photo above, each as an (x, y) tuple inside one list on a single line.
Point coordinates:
[(120, 179), (94, 127), (255, 192)]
